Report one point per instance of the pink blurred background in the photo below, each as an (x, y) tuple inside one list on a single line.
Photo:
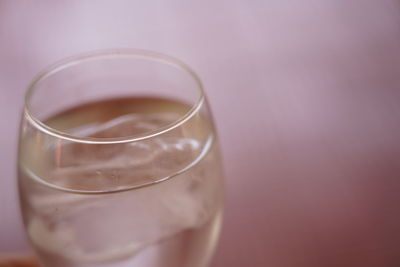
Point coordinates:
[(306, 98)]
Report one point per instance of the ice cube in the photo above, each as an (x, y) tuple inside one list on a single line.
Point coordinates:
[(136, 164), (97, 228), (72, 154), (105, 227), (98, 167)]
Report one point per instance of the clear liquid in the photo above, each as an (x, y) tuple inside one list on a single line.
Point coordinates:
[(167, 223)]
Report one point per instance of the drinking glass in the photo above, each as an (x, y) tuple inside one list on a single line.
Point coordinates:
[(119, 163)]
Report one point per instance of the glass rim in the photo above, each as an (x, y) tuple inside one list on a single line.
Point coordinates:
[(104, 54)]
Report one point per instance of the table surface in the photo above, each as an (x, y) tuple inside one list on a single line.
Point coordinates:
[(306, 99), (18, 261)]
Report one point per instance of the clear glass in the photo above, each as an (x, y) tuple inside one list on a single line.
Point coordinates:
[(119, 163)]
